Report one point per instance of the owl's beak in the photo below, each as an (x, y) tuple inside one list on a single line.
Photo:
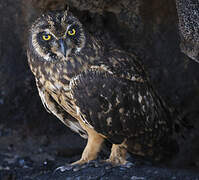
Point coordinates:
[(63, 47)]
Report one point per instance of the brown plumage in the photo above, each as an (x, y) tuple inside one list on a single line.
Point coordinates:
[(106, 91)]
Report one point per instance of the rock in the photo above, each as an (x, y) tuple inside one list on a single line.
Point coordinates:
[(134, 173), (188, 14)]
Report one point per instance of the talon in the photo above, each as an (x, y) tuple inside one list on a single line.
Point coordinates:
[(79, 162), (116, 161), (63, 168), (74, 166)]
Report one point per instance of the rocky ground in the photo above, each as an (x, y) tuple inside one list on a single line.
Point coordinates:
[(37, 158), (33, 143)]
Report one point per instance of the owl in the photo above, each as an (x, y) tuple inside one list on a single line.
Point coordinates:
[(98, 91)]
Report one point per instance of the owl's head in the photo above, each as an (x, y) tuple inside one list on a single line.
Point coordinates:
[(56, 36)]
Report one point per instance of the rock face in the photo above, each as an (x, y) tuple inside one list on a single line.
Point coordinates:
[(188, 13), (146, 28)]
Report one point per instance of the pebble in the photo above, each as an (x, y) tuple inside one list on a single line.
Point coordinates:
[(69, 178), (137, 178), (84, 166), (75, 169), (122, 168), (129, 165), (45, 163), (80, 178), (4, 168), (21, 162), (1, 101), (155, 172), (108, 167)]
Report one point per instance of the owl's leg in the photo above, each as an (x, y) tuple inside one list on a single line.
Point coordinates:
[(118, 154), (90, 152), (92, 148)]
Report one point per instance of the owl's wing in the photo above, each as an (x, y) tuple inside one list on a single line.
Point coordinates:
[(114, 107), (127, 65), (53, 107), (122, 64)]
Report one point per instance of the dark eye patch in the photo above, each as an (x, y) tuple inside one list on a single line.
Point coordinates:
[(40, 37), (76, 27), (44, 44), (77, 33)]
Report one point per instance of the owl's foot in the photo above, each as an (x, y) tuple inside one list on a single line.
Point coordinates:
[(92, 148), (118, 155), (80, 162), (78, 166), (116, 161), (90, 152)]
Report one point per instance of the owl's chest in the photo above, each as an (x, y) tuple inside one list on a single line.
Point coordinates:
[(59, 90), (55, 85)]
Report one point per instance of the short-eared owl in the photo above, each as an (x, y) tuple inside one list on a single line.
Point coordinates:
[(104, 90)]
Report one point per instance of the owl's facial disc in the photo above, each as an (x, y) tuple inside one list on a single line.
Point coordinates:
[(58, 36)]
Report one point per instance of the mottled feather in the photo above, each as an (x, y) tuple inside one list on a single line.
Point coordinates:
[(98, 91)]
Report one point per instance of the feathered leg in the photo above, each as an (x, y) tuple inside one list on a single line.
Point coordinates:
[(93, 146), (118, 154)]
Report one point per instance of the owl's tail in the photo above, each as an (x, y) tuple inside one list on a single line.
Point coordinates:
[(179, 122)]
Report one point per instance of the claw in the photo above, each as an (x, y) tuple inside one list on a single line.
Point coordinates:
[(74, 166), (66, 167), (116, 162), (79, 162)]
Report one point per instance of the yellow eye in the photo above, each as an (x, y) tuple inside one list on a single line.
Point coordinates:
[(46, 37), (71, 32)]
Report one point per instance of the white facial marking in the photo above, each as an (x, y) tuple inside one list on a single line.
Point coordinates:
[(51, 33), (38, 49)]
